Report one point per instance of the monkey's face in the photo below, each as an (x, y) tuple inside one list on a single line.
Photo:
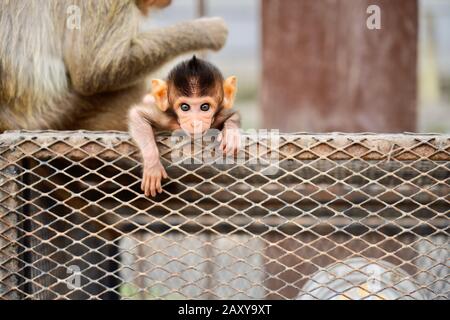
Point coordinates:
[(194, 94), (195, 114)]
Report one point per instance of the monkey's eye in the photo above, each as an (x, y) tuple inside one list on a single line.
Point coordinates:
[(204, 107), (185, 107)]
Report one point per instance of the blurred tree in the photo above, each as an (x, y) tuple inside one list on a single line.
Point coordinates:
[(325, 70)]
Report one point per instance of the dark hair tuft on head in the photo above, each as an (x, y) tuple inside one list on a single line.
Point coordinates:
[(195, 77)]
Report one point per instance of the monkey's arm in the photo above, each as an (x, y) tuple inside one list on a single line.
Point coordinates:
[(141, 131), (100, 61), (233, 122), (140, 128), (227, 119), (230, 138)]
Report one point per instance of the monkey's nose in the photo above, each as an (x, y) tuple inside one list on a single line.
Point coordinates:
[(197, 126)]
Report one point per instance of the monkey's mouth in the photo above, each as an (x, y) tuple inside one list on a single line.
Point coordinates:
[(195, 133), (198, 128)]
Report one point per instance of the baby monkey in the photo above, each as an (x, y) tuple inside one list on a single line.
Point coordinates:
[(194, 98)]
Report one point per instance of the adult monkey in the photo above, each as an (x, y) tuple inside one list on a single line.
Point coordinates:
[(53, 76)]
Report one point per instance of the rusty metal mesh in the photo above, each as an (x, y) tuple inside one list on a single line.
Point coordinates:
[(361, 216)]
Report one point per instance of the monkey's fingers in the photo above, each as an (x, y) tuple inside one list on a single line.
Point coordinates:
[(158, 185), (143, 182), (153, 186), (231, 143), (237, 143), (231, 148), (147, 190), (164, 174), (223, 143), (146, 185)]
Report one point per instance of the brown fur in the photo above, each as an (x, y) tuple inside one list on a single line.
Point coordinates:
[(52, 77)]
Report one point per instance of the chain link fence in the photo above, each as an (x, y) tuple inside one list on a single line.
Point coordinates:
[(344, 216)]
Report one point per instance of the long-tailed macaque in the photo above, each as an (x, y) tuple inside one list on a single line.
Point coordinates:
[(80, 64), (194, 98)]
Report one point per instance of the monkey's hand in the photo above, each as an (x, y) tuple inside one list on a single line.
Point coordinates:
[(154, 172), (230, 140), (215, 30)]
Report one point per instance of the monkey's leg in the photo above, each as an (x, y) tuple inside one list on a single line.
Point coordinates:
[(108, 111), (117, 63)]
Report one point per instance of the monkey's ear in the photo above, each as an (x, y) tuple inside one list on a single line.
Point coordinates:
[(229, 91), (159, 92)]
